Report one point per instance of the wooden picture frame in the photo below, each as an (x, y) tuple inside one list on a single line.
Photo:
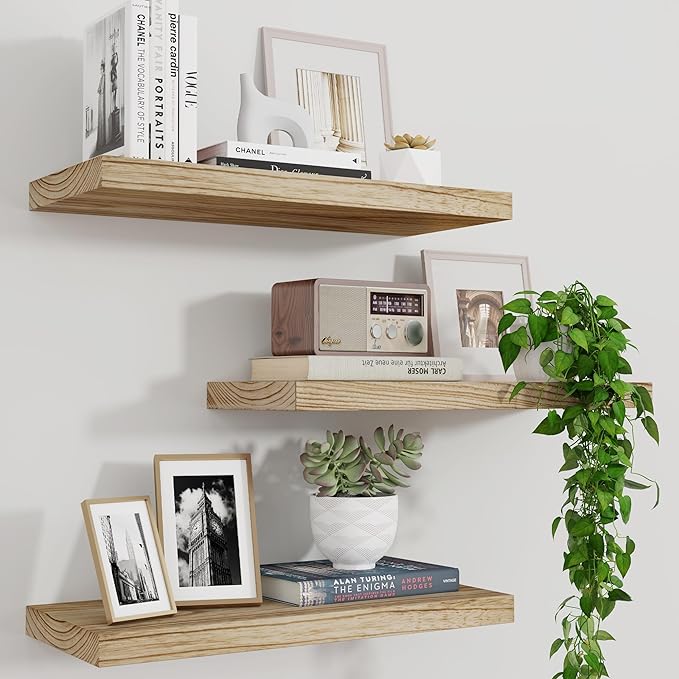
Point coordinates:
[(199, 467), (109, 573), (355, 62), (479, 363)]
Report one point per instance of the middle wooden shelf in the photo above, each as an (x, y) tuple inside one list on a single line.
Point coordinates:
[(337, 395)]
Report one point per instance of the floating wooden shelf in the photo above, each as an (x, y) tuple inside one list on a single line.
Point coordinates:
[(80, 629), (153, 189), (353, 395)]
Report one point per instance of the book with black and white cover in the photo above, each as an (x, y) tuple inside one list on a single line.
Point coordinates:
[(317, 583), (188, 89), (281, 154), (289, 167), (157, 65), (172, 81), (115, 83), (358, 368)]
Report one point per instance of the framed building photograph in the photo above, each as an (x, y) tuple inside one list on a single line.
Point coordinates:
[(206, 517), (342, 84), (127, 557), (468, 292)]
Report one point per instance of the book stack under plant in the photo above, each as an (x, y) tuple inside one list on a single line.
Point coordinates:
[(140, 83), (284, 159)]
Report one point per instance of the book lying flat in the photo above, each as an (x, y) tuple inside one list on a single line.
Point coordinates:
[(316, 583), (288, 167), (373, 368)]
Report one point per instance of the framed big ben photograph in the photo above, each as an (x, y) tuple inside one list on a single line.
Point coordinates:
[(206, 519)]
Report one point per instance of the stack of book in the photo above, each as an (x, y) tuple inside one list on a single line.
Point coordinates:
[(140, 83), (373, 368), (284, 159), (316, 583)]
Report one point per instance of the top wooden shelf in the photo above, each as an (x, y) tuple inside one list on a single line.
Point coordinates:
[(153, 189)]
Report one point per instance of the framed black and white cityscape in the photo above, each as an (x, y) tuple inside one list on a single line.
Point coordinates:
[(468, 292), (206, 518), (342, 84), (127, 557)]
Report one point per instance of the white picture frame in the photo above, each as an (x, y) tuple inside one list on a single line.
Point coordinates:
[(342, 83), (467, 293), (223, 483)]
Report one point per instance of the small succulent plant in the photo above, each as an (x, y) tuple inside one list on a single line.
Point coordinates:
[(346, 466), (407, 141)]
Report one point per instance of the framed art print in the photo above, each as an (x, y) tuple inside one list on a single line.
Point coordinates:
[(342, 84), (127, 557), (206, 517), (468, 292)]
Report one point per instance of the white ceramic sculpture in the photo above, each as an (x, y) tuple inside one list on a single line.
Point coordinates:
[(260, 115), (354, 532)]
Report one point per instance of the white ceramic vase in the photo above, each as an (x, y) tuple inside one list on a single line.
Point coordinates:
[(354, 532), (412, 166), (527, 366)]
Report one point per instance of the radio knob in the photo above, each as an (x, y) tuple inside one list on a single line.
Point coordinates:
[(376, 331), (392, 331), (414, 333)]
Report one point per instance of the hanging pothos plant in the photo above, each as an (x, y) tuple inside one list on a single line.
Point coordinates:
[(581, 342)]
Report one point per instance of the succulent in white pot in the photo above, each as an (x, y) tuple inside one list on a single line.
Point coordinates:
[(354, 514), (411, 159)]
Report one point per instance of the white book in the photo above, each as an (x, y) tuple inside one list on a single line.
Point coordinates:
[(188, 89), (115, 83), (373, 368), (172, 81), (157, 93), (282, 154)]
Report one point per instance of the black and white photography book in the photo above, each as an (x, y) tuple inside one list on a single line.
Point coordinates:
[(206, 519)]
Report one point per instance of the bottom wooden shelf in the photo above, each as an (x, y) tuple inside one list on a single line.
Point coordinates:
[(80, 628)]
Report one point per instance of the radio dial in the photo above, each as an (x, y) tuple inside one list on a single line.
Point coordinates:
[(392, 331), (414, 333), (376, 331)]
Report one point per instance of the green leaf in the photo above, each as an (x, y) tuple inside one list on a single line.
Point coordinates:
[(582, 527), (586, 604), (625, 507), (520, 337), (602, 635), (593, 661), (518, 306), (505, 323), (546, 356), (602, 300), (551, 425), (379, 438), (618, 409), (578, 337), (605, 497), (623, 562), (574, 559), (621, 388), (651, 427), (630, 546), (606, 607), (570, 672), (556, 645), (624, 368), (569, 317), (538, 326), (619, 595), (555, 525), (518, 387), (508, 351), (635, 485), (603, 570), (645, 397), (562, 361), (608, 362)]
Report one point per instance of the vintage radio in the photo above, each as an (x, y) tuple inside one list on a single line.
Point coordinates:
[(328, 316)]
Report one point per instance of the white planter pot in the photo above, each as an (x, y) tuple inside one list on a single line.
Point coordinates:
[(354, 532), (527, 366), (412, 166)]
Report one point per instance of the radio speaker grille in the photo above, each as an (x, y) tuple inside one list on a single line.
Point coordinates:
[(343, 310)]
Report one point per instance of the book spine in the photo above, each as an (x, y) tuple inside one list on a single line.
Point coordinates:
[(401, 584), (138, 30), (172, 81), (291, 154), (158, 14), (188, 89), (289, 167)]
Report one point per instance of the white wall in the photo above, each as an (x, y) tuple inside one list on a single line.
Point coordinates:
[(110, 327)]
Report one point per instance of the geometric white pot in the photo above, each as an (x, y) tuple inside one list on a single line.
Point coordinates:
[(354, 532), (412, 166)]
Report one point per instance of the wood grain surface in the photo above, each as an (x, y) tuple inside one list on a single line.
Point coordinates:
[(80, 628), (326, 395), (154, 189)]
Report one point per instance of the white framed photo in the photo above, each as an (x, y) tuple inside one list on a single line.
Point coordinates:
[(206, 518), (468, 292), (342, 84), (127, 557)]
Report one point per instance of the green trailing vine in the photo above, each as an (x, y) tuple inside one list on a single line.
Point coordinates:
[(581, 341)]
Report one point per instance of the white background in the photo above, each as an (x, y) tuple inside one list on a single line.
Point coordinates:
[(111, 327)]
